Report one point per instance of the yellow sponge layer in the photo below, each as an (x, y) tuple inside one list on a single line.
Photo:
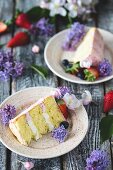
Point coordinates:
[(38, 119), (52, 109), (24, 129)]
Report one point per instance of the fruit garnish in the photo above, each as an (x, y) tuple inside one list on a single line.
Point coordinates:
[(65, 63), (108, 101), (65, 124), (22, 20), (63, 108), (81, 74), (73, 69), (3, 27), (91, 74), (20, 39)]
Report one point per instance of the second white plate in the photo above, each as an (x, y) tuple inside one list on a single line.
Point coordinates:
[(53, 54)]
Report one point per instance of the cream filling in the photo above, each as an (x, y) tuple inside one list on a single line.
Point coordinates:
[(16, 132), (32, 126), (46, 117)]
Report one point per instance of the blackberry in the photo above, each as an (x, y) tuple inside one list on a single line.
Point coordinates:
[(65, 124)]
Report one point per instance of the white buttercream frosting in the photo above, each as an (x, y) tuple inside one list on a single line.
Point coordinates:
[(46, 117), (32, 126)]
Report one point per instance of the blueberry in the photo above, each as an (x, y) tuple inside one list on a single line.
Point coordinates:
[(65, 124), (80, 75), (65, 62)]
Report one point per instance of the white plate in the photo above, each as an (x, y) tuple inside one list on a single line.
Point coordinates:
[(53, 54), (46, 147)]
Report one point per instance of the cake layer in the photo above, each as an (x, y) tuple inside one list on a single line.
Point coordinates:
[(91, 48), (39, 119)]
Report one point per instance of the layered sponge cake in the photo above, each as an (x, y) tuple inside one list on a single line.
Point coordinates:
[(90, 48), (39, 119)]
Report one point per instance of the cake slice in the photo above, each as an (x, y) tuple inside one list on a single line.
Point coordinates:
[(39, 119), (91, 48)]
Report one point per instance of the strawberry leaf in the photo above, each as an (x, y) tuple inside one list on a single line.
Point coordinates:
[(40, 70), (36, 13), (73, 69), (106, 128), (88, 75)]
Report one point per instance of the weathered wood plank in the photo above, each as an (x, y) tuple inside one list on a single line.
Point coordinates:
[(106, 22), (30, 79), (4, 86)]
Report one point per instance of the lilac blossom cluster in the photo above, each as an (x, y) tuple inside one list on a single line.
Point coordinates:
[(60, 134), (9, 67), (42, 27), (105, 68), (74, 36), (61, 91), (7, 113), (72, 8), (98, 160)]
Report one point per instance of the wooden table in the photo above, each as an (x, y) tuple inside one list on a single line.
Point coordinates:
[(76, 159)]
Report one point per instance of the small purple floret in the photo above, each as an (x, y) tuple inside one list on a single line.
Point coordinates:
[(60, 134), (74, 36), (42, 27), (9, 67), (98, 160), (105, 68), (61, 91), (7, 113)]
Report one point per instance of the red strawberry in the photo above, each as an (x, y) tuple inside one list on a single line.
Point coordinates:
[(94, 71), (22, 20), (63, 108), (108, 101), (3, 27), (91, 74), (20, 39)]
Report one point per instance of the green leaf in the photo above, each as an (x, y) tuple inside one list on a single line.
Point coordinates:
[(40, 70), (89, 76), (106, 128), (1, 45), (36, 13), (73, 69)]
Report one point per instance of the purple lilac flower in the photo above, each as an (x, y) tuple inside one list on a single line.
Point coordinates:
[(61, 91), (60, 134), (9, 67), (98, 160), (8, 113), (17, 69), (42, 27), (74, 36), (105, 68)]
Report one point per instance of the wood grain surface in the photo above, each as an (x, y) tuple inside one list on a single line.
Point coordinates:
[(74, 160)]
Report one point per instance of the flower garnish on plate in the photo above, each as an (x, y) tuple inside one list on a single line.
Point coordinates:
[(85, 64), (60, 134), (105, 68), (86, 97), (61, 91), (71, 101), (98, 160), (7, 113)]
